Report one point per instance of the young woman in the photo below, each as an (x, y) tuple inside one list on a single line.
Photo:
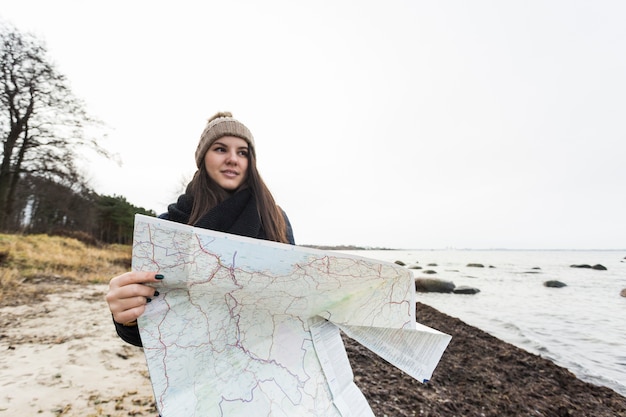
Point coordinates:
[(226, 194)]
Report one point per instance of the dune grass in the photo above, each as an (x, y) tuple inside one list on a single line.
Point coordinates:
[(31, 265)]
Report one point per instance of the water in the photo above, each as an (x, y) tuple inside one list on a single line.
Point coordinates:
[(580, 327)]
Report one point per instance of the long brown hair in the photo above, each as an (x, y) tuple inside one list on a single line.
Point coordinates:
[(208, 194)]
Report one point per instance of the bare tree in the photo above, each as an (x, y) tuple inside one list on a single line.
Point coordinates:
[(42, 124)]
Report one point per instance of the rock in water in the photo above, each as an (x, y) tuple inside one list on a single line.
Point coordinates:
[(554, 284), (466, 289), (433, 285)]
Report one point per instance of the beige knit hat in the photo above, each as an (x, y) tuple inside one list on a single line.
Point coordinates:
[(220, 125)]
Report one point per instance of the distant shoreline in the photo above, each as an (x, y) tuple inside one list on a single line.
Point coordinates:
[(344, 247), (354, 247)]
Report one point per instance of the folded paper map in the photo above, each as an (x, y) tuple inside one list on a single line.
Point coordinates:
[(247, 327)]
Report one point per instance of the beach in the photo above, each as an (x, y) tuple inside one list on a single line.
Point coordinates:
[(61, 357)]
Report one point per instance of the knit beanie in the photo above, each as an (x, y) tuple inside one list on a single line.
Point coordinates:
[(220, 125)]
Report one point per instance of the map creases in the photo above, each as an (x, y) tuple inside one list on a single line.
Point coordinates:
[(243, 324)]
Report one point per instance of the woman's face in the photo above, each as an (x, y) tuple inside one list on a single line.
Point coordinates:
[(226, 162)]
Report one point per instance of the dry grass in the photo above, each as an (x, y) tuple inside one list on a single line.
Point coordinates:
[(34, 265)]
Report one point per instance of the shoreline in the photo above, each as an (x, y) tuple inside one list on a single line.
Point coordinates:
[(480, 375), (61, 357)]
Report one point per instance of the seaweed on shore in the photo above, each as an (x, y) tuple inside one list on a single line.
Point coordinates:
[(479, 376)]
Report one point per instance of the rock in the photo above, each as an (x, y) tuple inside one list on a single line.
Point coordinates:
[(400, 263), (554, 284), (623, 292), (476, 265), (431, 265), (536, 268), (415, 267), (465, 289), (429, 271), (433, 285), (587, 266)]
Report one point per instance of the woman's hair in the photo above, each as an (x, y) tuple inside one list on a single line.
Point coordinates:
[(208, 194)]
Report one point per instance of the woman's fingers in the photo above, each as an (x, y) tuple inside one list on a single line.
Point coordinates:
[(128, 294), (125, 309), (134, 277), (129, 314)]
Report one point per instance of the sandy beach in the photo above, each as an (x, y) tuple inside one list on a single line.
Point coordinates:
[(61, 357)]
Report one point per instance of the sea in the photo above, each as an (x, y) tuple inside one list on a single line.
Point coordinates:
[(581, 326)]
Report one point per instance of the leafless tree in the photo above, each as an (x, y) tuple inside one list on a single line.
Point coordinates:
[(43, 125)]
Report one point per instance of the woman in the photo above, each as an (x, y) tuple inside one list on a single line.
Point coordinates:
[(226, 194)]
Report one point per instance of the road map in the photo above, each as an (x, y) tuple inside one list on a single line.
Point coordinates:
[(247, 327)]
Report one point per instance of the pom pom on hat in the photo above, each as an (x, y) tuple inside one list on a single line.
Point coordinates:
[(220, 125)]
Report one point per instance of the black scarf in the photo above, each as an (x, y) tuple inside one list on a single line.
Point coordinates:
[(237, 214)]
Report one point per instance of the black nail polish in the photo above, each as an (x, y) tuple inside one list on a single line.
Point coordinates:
[(156, 294), (148, 300), (159, 276)]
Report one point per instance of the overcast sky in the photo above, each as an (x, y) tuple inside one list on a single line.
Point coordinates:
[(404, 124)]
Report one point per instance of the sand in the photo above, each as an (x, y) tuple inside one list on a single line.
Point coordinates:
[(61, 357)]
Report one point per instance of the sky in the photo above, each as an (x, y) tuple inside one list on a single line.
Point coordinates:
[(398, 124)]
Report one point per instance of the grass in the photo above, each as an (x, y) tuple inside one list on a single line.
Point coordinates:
[(33, 265)]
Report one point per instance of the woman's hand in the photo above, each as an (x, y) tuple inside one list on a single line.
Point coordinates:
[(128, 294)]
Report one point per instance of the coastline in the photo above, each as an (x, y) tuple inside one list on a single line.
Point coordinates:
[(61, 357), (480, 376)]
